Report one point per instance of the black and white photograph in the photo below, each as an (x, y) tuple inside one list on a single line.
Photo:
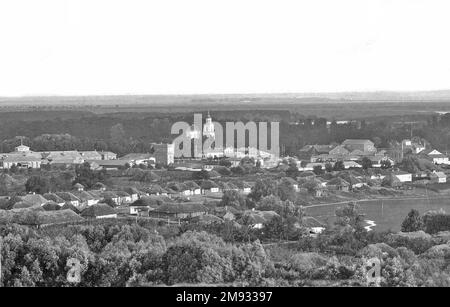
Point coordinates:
[(224, 150)]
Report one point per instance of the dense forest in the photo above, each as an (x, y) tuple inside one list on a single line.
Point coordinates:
[(132, 132), (115, 253)]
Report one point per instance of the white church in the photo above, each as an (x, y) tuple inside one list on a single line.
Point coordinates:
[(218, 151)]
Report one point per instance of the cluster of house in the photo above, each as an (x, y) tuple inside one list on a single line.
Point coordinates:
[(398, 151), (78, 198), (161, 154), (23, 157), (191, 188), (347, 181), (351, 152), (156, 204)]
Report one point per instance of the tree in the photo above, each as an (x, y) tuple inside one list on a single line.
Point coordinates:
[(247, 162), (286, 190), (339, 166), (412, 222), (270, 203), (409, 164), (366, 163), (311, 185), (390, 181), (238, 170), (197, 258), (350, 215), (62, 181), (318, 170), (88, 177), (13, 169), (117, 132), (385, 164), (110, 202), (436, 221), (225, 162), (275, 228), (224, 171), (201, 175), (263, 187), (234, 199), (377, 141), (258, 164), (328, 167), (292, 171), (38, 184)]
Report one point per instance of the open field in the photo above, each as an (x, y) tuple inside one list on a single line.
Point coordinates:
[(341, 106), (387, 214)]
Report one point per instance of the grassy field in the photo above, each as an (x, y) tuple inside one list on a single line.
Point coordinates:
[(387, 214)]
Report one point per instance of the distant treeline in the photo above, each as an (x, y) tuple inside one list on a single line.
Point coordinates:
[(133, 132)]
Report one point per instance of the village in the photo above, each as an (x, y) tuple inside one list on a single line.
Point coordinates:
[(213, 189), (223, 152)]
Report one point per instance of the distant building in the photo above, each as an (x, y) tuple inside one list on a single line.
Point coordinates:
[(90, 155), (360, 144), (163, 153), (437, 157), (415, 147), (108, 155), (34, 199), (438, 177), (21, 157), (86, 198), (208, 127), (21, 161), (109, 164), (403, 176), (22, 148), (308, 151), (63, 157), (139, 158), (69, 198), (351, 164), (339, 150), (338, 184), (178, 210), (378, 160), (54, 198), (99, 211)]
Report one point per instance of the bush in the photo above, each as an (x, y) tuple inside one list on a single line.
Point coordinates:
[(436, 221), (413, 222), (418, 241)]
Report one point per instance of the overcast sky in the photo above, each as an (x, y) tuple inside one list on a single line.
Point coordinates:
[(80, 47)]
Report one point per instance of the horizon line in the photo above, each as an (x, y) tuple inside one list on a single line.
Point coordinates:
[(228, 94)]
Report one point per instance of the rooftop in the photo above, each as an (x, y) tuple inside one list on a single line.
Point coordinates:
[(98, 210)]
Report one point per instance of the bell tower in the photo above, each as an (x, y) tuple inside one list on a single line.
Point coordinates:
[(208, 128)]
